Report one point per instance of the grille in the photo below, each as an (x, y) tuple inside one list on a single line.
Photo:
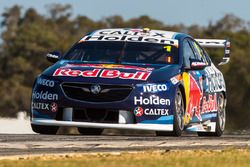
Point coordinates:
[(108, 93), (96, 115)]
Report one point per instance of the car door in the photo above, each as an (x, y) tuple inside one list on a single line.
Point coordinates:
[(194, 80)]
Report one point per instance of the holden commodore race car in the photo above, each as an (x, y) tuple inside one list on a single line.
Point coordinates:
[(137, 79)]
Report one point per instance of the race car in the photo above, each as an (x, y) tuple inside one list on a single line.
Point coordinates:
[(136, 79)]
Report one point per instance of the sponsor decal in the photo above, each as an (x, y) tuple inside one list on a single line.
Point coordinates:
[(214, 80), (102, 73), (40, 106), (135, 32), (109, 66), (53, 107), (152, 100), (44, 96), (176, 79), (151, 39), (194, 93), (45, 82), (45, 106), (199, 102), (198, 64), (153, 88), (138, 111), (210, 104), (76, 73), (150, 111), (156, 111)]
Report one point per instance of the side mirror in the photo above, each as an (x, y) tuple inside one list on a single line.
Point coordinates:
[(53, 57), (197, 65)]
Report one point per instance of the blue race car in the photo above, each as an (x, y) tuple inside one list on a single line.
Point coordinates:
[(137, 79)]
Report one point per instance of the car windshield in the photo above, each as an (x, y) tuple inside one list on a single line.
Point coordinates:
[(123, 52)]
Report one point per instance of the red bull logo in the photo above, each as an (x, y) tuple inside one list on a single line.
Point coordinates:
[(102, 73)]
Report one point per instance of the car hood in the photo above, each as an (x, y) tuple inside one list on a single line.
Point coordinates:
[(69, 71)]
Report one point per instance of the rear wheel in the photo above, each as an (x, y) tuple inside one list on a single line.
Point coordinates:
[(90, 131), (48, 130), (220, 120), (178, 117)]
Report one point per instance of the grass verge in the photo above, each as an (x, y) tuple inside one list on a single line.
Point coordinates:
[(202, 158)]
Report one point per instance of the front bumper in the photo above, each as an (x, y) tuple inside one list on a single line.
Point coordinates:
[(137, 126), (49, 103)]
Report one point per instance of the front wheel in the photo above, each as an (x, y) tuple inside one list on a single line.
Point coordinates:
[(179, 112), (48, 130), (220, 120)]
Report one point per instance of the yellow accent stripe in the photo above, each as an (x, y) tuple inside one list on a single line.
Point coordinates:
[(186, 81)]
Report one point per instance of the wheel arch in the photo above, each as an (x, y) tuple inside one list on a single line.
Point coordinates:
[(224, 94)]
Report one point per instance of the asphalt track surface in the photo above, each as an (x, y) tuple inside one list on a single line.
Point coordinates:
[(51, 144)]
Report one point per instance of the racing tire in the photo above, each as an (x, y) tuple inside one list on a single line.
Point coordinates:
[(90, 131), (220, 119), (179, 112), (47, 130)]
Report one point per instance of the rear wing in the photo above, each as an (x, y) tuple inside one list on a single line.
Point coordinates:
[(217, 43)]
